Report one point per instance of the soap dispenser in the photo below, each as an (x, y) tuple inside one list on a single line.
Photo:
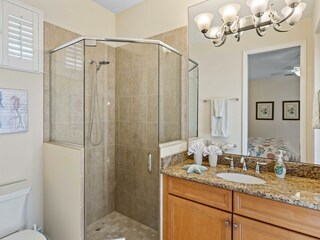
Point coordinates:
[(280, 168)]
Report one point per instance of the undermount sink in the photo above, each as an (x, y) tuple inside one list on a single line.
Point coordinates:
[(241, 178)]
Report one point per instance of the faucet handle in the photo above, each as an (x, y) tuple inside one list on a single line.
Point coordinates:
[(231, 162), (244, 164), (258, 166)]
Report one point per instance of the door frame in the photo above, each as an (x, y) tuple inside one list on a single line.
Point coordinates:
[(303, 94)]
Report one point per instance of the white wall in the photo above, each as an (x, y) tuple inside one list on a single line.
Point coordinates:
[(221, 74), (316, 26), (317, 87), (276, 90), (21, 153), (63, 188), (152, 17), (316, 16), (84, 17)]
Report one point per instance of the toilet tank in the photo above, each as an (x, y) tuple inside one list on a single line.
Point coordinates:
[(13, 207)]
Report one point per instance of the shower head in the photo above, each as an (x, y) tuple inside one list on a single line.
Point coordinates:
[(98, 65), (104, 62)]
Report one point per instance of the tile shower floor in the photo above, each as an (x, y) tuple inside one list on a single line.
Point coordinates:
[(116, 225)]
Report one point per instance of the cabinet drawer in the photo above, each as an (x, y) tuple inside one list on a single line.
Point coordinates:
[(247, 229), (285, 215), (188, 220), (208, 195)]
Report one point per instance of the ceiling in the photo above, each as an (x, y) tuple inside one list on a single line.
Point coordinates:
[(117, 6), (273, 64)]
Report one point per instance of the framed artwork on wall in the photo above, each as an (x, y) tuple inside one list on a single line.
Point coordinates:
[(13, 111), (264, 110), (291, 110)]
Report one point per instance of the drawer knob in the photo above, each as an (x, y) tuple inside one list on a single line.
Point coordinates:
[(227, 223), (235, 226)]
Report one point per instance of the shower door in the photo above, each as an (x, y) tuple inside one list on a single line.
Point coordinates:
[(122, 164)]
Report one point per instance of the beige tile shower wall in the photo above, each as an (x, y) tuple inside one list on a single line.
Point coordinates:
[(100, 159), (178, 39), (53, 36), (137, 191), (67, 95), (170, 96)]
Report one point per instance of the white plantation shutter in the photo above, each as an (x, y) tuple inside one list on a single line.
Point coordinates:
[(21, 37), (74, 56)]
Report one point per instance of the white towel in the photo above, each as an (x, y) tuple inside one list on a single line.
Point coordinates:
[(212, 150), (316, 110), (218, 107), (220, 118), (196, 148)]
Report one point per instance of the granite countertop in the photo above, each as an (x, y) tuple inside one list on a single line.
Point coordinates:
[(304, 192)]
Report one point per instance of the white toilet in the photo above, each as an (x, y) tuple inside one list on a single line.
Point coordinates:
[(13, 199)]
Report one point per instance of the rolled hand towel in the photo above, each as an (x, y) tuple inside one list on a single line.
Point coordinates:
[(196, 148), (224, 146), (212, 150)]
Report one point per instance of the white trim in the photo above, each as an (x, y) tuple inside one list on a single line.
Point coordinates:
[(303, 94), (123, 40), (41, 41), (23, 5), (161, 206), (38, 39), (1, 33), (170, 148)]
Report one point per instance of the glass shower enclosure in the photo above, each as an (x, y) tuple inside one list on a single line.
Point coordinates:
[(118, 99)]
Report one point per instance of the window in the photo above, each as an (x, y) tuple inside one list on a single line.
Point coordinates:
[(74, 56), (22, 37)]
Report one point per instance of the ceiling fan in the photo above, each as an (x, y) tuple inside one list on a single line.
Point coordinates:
[(295, 71)]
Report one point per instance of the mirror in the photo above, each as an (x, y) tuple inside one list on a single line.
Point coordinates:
[(193, 98), (278, 121)]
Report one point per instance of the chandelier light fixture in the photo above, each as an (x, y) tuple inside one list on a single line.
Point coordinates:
[(261, 19)]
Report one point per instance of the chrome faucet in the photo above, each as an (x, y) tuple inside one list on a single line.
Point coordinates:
[(258, 166), (244, 164), (231, 162)]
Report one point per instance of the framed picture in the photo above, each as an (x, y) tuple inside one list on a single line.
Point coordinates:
[(291, 110), (13, 111), (264, 110)]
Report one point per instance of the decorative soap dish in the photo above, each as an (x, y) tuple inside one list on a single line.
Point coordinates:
[(194, 168)]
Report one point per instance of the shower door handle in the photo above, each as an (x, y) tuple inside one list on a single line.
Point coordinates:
[(149, 162)]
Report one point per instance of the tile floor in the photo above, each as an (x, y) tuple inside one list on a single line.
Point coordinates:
[(118, 226)]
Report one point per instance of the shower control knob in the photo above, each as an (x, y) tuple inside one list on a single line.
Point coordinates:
[(149, 162)]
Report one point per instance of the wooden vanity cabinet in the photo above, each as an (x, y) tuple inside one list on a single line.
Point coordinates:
[(188, 213), (194, 211), (288, 216), (247, 229), (190, 220)]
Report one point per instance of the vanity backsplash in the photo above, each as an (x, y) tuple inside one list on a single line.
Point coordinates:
[(305, 170)]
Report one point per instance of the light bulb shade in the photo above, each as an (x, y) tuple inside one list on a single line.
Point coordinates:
[(258, 7), (214, 32), (296, 16), (203, 21), (245, 21), (229, 13), (290, 2), (266, 17)]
